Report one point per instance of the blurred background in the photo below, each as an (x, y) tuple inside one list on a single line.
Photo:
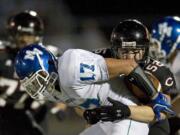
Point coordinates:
[(85, 24)]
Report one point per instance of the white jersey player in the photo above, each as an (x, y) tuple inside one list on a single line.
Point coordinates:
[(82, 81), (85, 86), (79, 78)]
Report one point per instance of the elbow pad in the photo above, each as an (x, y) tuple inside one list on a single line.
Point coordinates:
[(138, 78)]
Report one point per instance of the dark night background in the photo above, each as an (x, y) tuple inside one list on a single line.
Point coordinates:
[(85, 24)]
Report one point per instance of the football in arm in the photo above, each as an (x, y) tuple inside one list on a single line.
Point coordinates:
[(139, 93)]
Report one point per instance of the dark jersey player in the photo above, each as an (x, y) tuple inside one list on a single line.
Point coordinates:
[(19, 114), (126, 46)]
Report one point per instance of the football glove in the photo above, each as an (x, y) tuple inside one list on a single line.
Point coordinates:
[(161, 104), (112, 113)]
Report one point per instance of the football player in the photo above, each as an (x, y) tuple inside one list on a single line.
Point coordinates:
[(82, 79), (127, 43), (165, 47), (18, 112)]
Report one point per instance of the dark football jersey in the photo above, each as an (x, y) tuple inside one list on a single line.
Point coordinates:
[(11, 93), (162, 73), (14, 101), (9, 85), (154, 67)]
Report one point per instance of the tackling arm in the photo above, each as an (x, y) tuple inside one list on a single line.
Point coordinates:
[(133, 72), (143, 113), (119, 111), (118, 66)]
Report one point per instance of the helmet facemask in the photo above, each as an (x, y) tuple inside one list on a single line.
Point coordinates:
[(130, 40), (40, 85), (130, 50)]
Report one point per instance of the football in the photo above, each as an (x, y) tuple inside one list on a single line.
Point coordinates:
[(139, 93)]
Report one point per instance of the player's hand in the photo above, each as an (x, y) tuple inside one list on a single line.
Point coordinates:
[(92, 115), (161, 104), (112, 113)]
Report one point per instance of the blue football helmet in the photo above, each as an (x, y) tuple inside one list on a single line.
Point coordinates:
[(166, 36), (37, 70)]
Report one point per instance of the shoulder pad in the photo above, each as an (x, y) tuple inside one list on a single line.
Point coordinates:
[(54, 50), (162, 73)]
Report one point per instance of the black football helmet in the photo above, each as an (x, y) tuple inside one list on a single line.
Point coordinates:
[(26, 22), (130, 34)]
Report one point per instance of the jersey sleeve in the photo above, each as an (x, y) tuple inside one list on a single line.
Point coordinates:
[(163, 75), (81, 73)]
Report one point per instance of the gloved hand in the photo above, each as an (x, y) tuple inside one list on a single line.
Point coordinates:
[(117, 111), (161, 104)]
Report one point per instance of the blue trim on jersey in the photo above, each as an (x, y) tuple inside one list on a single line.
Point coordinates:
[(87, 78), (82, 70), (90, 102), (129, 127)]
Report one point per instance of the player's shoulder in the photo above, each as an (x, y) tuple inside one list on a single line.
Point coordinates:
[(105, 52), (70, 52), (78, 53), (72, 55), (54, 50), (162, 73), (156, 66)]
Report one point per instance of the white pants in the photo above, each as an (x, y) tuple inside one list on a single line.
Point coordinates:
[(124, 127)]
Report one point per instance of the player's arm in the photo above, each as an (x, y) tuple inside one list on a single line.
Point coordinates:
[(119, 66), (119, 111), (163, 83), (94, 68), (133, 72), (138, 77), (143, 114), (166, 81)]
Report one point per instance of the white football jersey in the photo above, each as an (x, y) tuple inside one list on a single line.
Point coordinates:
[(84, 82), (81, 75)]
